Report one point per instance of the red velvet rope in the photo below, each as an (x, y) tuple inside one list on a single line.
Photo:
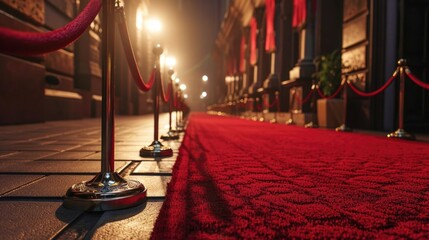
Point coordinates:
[(35, 43), (129, 54), (371, 94), (166, 97), (416, 80), (333, 95), (308, 96), (274, 103)]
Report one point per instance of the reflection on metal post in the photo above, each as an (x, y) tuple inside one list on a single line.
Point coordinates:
[(313, 123), (156, 149), (170, 135), (401, 133), (291, 111), (277, 108), (108, 190), (343, 127)]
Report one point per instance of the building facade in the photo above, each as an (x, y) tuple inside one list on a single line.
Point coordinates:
[(371, 36), (66, 84)]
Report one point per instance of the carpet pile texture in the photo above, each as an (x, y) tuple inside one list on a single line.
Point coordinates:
[(240, 179)]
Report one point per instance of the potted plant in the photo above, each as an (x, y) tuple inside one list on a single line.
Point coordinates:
[(330, 111)]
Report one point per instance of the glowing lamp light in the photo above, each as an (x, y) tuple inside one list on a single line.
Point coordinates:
[(177, 80), (185, 96), (205, 78), (170, 61), (182, 87), (154, 25)]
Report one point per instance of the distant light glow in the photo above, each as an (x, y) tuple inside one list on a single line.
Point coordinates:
[(177, 80), (205, 78), (154, 25), (139, 19), (170, 61), (182, 87), (203, 95), (185, 96)]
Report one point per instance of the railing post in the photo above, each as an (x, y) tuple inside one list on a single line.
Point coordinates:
[(290, 120), (343, 127), (170, 135), (313, 123), (400, 132), (277, 108), (156, 149), (107, 190)]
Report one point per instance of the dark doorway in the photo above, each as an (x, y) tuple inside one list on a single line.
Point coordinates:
[(414, 47)]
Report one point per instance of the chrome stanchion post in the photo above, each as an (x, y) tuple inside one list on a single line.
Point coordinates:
[(290, 120), (401, 133), (343, 127), (313, 123), (170, 134), (107, 190), (277, 108), (176, 108), (156, 149)]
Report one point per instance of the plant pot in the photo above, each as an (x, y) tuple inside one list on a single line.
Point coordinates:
[(330, 112)]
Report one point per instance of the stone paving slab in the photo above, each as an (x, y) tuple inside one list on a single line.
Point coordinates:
[(130, 156), (154, 167), (40, 162), (49, 186), (156, 185), (40, 147), (10, 181), (133, 223), (33, 219), (68, 156), (27, 155), (90, 167), (57, 185)]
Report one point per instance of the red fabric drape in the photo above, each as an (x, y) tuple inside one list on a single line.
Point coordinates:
[(253, 29), (242, 55), (270, 39), (299, 12)]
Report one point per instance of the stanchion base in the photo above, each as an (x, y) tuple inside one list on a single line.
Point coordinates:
[(400, 133), (170, 135), (290, 122), (105, 192), (273, 121), (156, 149), (178, 130), (343, 128), (311, 125)]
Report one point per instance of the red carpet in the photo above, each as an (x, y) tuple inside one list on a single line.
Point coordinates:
[(238, 179)]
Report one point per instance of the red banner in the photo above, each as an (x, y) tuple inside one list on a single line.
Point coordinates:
[(242, 55), (270, 39), (299, 12), (253, 35)]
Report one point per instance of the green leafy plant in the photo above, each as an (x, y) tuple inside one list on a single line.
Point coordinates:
[(329, 72)]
